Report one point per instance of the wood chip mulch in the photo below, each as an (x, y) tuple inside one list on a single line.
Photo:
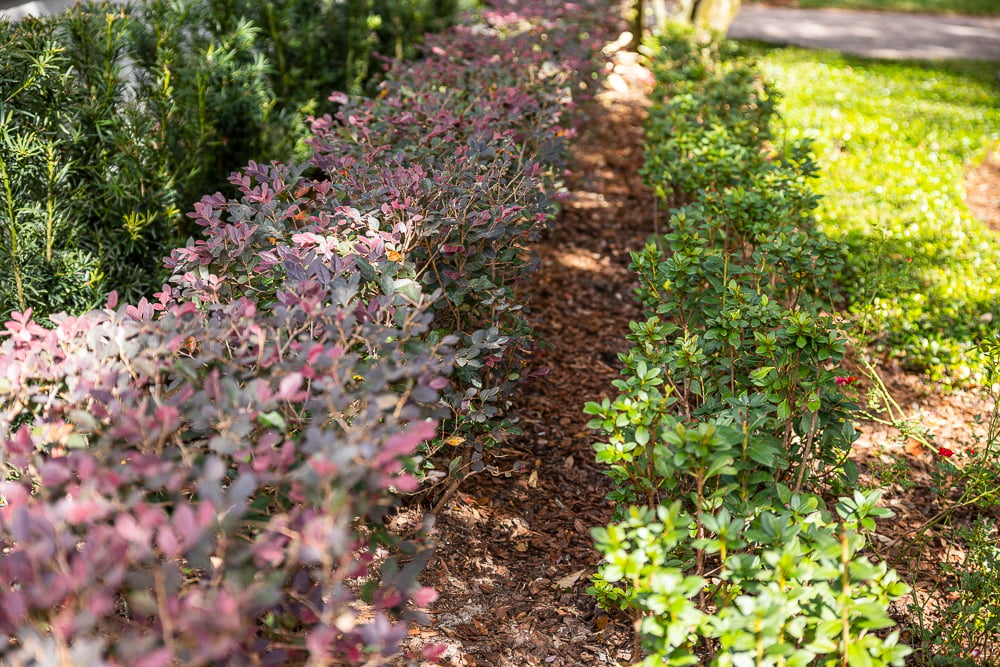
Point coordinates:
[(515, 555), (982, 191)]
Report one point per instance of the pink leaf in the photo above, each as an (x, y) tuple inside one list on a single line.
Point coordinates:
[(404, 483), (403, 443), (14, 494), (288, 389), (129, 530), (186, 524), (84, 511), (22, 442), (166, 540), (318, 641), (158, 658), (433, 651), (424, 596)]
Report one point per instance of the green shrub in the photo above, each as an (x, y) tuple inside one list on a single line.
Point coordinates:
[(724, 111), (42, 259), (775, 588), (732, 418)]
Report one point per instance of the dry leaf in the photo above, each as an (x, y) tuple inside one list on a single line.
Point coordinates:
[(570, 579)]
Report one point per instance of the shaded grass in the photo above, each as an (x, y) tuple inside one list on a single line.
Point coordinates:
[(894, 141)]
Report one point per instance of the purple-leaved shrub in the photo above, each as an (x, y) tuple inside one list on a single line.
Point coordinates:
[(191, 481), (451, 172)]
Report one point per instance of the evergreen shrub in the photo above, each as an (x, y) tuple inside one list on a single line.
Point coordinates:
[(732, 425)]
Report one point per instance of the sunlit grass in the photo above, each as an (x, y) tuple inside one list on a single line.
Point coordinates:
[(894, 141)]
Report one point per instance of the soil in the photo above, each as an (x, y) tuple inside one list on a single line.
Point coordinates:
[(514, 553), (982, 191)]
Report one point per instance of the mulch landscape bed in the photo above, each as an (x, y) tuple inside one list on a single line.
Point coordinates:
[(515, 555)]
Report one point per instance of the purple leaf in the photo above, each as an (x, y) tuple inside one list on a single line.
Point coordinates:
[(159, 658), (289, 386)]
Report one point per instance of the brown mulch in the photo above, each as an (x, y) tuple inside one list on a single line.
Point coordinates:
[(982, 191), (514, 553)]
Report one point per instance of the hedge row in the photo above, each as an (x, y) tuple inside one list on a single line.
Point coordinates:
[(732, 426), (118, 118), (201, 478)]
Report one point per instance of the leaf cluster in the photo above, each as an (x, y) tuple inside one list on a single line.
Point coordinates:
[(181, 474)]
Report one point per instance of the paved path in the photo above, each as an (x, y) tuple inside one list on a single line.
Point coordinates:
[(873, 34), (18, 9)]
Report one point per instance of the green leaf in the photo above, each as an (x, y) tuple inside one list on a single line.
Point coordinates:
[(761, 453), (851, 472), (873, 616), (408, 288), (272, 419), (862, 570), (612, 573), (858, 656), (720, 465), (759, 376)]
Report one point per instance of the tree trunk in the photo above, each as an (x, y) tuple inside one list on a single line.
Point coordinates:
[(715, 14), (660, 13), (638, 25)]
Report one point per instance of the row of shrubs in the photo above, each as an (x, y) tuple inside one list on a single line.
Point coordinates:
[(203, 477), (117, 118), (730, 434)]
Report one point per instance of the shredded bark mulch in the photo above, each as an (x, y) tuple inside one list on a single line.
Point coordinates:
[(982, 191)]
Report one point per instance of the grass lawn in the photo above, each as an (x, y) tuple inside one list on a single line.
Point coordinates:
[(894, 141), (971, 7)]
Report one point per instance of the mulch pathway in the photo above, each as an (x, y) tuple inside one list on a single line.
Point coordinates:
[(515, 554)]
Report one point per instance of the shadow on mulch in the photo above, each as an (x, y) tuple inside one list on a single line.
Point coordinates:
[(515, 554)]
